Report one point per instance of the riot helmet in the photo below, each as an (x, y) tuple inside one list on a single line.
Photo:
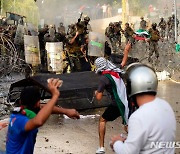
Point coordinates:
[(154, 25), (111, 24), (87, 19), (140, 78)]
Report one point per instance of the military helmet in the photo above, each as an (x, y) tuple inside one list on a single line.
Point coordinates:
[(154, 24), (111, 24), (86, 19), (142, 17), (140, 78)]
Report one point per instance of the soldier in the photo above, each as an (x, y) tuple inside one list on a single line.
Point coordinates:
[(109, 33), (42, 42), (118, 30), (143, 24), (169, 28), (61, 29), (153, 42), (162, 26), (87, 25), (173, 25), (128, 33), (75, 40)]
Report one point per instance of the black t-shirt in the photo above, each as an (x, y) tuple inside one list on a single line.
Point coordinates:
[(105, 84)]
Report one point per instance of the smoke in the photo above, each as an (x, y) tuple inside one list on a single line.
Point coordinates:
[(67, 11)]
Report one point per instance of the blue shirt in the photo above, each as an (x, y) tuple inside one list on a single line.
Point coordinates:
[(18, 140)]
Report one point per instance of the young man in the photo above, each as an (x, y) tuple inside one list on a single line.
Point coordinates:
[(110, 81), (24, 121), (153, 123)]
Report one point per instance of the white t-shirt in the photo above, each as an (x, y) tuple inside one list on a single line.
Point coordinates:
[(152, 122)]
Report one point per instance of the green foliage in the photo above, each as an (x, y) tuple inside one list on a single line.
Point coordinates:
[(26, 8)]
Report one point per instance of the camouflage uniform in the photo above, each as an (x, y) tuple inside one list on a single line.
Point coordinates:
[(117, 30), (128, 33), (143, 24), (109, 33), (169, 28), (61, 29), (162, 26), (87, 25), (173, 26), (153, 44), (74, 52)]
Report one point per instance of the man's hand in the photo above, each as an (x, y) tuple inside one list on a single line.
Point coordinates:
[(3, 125), (98, 95), (53, 85), (117, 138), (72, 113)]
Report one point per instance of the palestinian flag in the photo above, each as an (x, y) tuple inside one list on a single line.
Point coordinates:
[(119, 91), (141, 34)]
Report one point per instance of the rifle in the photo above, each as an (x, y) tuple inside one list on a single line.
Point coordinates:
[(79, 20)]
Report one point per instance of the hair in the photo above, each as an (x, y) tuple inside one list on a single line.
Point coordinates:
[(30, 96)]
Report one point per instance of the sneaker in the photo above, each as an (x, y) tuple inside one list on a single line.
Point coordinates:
[(100, 150)]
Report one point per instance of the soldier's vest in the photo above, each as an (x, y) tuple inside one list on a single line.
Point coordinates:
[(129, 32), (73, 48), (154, 35)]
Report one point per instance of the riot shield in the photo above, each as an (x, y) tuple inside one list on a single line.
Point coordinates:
[(32, 51), (54, 56), (96, 44), (33, 30), (19, 37)]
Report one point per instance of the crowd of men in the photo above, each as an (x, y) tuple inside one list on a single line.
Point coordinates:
[(74, 41), (164, 30)]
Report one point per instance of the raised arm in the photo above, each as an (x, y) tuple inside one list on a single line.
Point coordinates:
[(46, 111)]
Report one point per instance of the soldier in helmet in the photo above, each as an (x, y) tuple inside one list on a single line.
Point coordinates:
[(169, 28), (128, 33), (143, 24), (118, 30), (87, 25), (76, 39), (147, 124), (153, 42), (173, 25), (61, 29), (162, 26), (109, 33)]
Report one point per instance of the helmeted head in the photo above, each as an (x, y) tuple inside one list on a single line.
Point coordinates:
[(61, 23), (127, 24), (140, 79), (30, 98), (120, 22), (154, 25), (111, 24), (103, 64), (142, 18), (86, 19)]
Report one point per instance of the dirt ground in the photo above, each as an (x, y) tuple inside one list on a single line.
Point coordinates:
[(66, 136)]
